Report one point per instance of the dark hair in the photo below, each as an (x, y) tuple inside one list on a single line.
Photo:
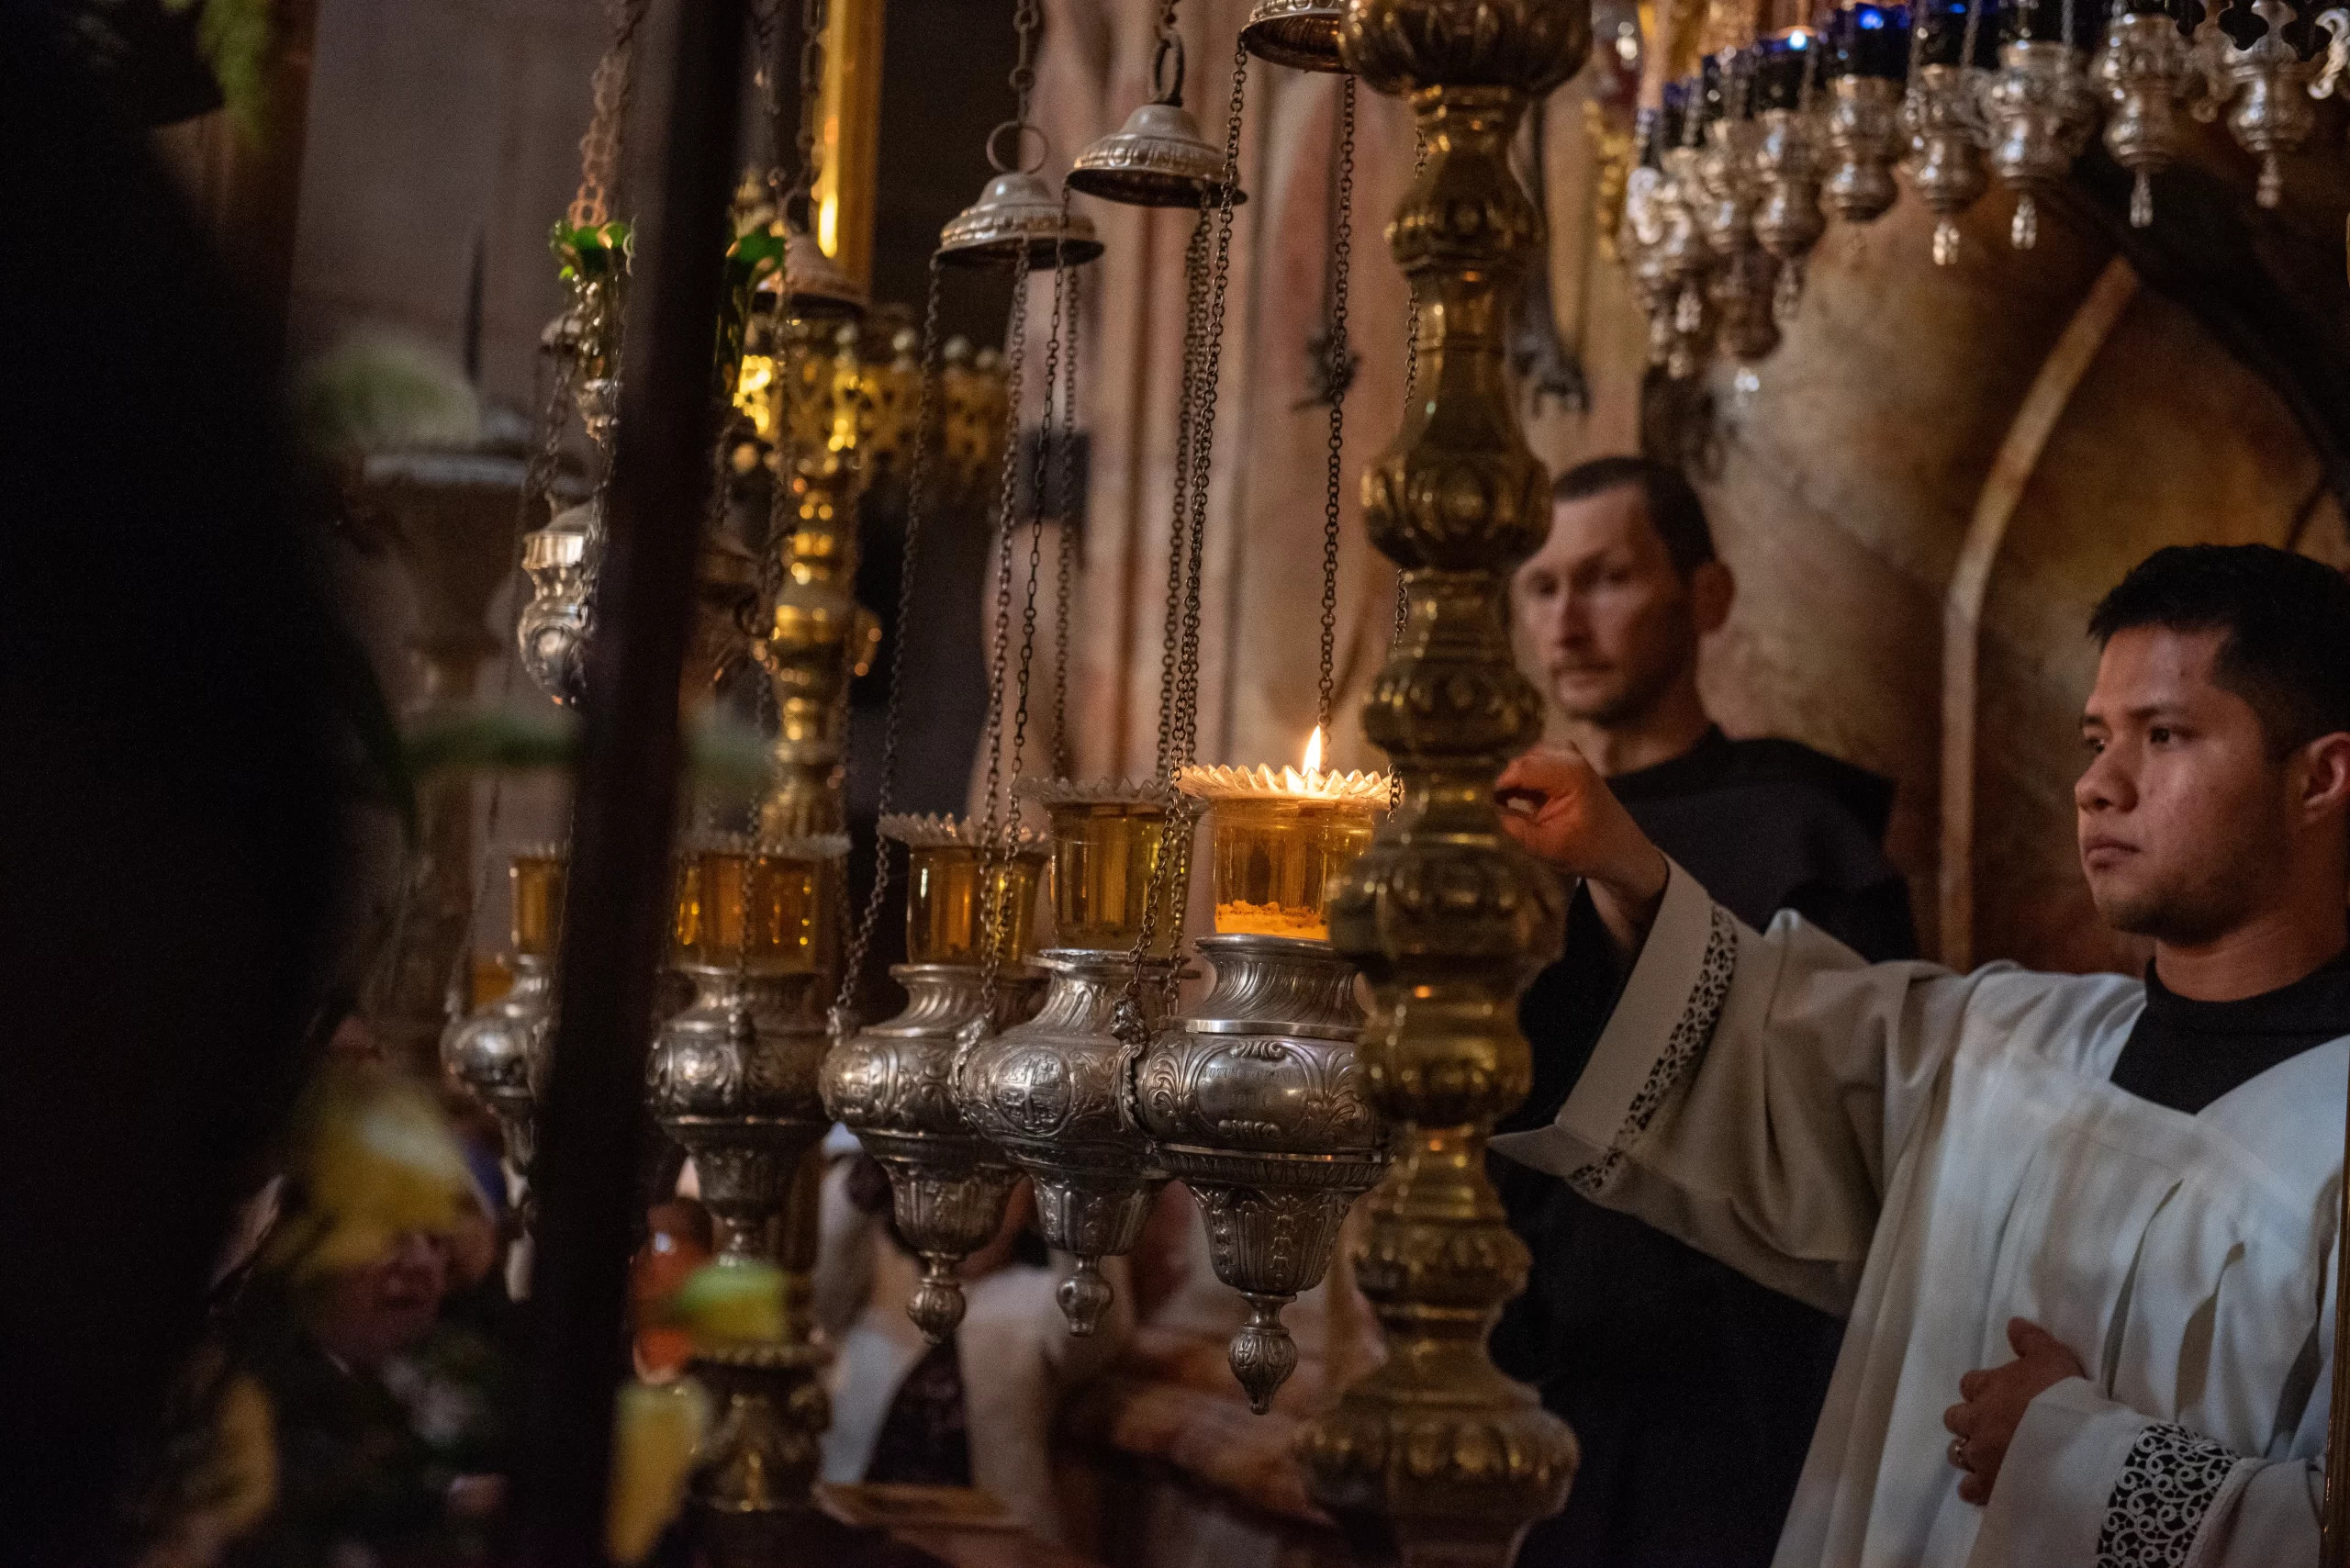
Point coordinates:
[(2286, 619), (1673, 509)]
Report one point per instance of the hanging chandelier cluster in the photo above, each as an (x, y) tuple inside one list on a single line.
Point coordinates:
[(1743, 159), (1275, 1096)]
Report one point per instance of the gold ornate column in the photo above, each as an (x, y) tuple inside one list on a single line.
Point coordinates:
[(818, 637), (1435, 1458)]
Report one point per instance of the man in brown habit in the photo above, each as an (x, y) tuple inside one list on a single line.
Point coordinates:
[(1693, 1390)]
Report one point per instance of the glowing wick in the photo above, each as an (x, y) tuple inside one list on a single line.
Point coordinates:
[(1314, 753)]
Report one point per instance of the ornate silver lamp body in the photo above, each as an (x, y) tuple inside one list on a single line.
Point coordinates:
[(500, 1052), (1945, 127), (1254, 1100), (552, 631), (1866, 140), (1685, 260), (1743, 276), (889, 1083), (2266, 88), (2039, 109), (2147, 73), (1787, 164), (892, 1082), (1052, 1093)]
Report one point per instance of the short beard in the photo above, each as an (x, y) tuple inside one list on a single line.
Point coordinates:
[(2192, 913)]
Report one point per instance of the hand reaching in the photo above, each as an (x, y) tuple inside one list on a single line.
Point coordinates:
[(1561, 811)]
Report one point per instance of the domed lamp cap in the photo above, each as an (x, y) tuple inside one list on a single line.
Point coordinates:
[(1157, 159), (1018, 210), (1300, 33), (815, 288)]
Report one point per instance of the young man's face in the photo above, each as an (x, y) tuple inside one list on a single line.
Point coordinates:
[(1610, 619), (2185, 820)]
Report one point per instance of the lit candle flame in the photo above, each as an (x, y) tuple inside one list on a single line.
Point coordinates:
[(1314, 753)]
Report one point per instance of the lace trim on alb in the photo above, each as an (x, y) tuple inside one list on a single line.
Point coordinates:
[(1682, 1050), (2168, 1483)]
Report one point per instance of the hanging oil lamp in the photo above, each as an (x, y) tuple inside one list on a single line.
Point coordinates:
[(1650, 203), (733, 1077), (1742, 280), (1787, 158), (552, 631), (1300, 33), (499, 1051), (890, 1082), (1942, 113), (2147, 70), (1253, 1098), (2264, 81), (1157, 158), (1053, 1092), (1683, 259), (2039, 108), (1869, 55)]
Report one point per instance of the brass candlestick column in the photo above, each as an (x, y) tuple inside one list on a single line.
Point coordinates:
[(818, 637), (1436, 1456), (890, 1082)]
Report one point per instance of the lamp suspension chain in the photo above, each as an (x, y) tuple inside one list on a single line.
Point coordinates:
[(1411, 379), (1340, 373), (599, 147), (1070, 511), (998, 834), (926, 401), (1179, 666)]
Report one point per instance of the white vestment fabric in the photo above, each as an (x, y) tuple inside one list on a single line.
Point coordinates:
[(1931, 1154)]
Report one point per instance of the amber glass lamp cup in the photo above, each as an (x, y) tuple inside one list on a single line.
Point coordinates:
[(763, 908), (1106, 842), (1282, 839), (537, 873), (946, 911)]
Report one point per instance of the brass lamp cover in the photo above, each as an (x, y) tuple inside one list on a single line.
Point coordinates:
[(1157, 159), (1300, 33), (1018, 209), (813, 284)]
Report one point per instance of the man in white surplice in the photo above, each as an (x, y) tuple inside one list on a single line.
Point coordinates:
[(2091, 1315)]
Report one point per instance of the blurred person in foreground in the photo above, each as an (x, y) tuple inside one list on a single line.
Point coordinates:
[(168, 849), (1691, 1389), (353, 1404), (2084, 1227)]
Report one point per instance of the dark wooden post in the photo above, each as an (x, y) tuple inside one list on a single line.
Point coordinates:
[(626, 792)]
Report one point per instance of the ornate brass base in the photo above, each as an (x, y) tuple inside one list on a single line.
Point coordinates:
[(890, 1084), (752, 1495)]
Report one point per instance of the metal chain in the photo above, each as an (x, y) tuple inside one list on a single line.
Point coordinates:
[(1342, 251), (995, 835), (1065, 567), (599, 147), (917, 492), (1037, 476), (812, 20), (1196, 285), (1028, 20)]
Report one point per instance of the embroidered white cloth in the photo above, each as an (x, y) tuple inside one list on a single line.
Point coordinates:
[(1931, 1154)]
